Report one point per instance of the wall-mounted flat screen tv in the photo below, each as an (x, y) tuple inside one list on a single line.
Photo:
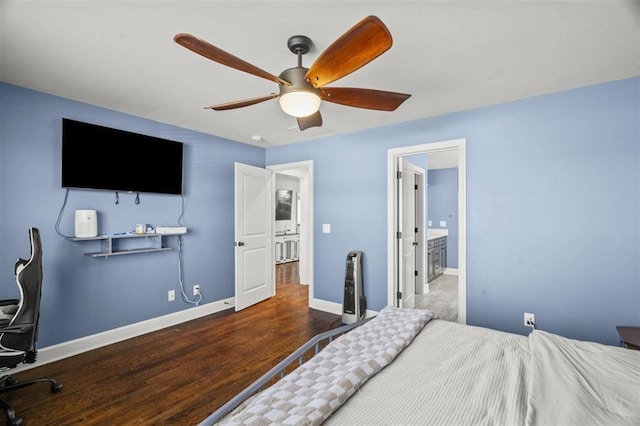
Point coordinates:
[(97, 157)]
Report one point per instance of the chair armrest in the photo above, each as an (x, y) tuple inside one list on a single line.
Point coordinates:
[(16, 328)]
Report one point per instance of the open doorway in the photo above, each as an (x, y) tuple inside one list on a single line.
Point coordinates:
[(300, 226), (395, 263)]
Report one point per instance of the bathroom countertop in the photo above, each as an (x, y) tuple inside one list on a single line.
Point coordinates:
[(433, 233)]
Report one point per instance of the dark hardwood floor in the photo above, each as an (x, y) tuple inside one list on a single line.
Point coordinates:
[(178, 375)]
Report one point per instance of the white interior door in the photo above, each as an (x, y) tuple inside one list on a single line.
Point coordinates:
[(421, 230), (407, 240), (254, 216)]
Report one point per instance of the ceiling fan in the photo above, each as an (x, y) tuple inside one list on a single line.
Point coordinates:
[(303, 89)]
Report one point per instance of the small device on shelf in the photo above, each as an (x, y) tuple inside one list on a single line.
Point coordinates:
[(86, 223), (178, 230)]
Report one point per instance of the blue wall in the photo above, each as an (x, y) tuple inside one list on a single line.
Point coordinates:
[(442, 204), (553, 223), (553, 218), (82, 295)]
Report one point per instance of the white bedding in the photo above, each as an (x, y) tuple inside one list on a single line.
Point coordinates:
[(582, 383), (434, 381), (453, 374)]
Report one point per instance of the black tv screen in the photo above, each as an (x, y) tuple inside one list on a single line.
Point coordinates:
[(97, 157)]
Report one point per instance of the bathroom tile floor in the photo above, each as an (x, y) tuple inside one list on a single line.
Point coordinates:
[(442, 298)]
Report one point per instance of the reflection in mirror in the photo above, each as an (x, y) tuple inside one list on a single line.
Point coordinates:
[(284, 199)]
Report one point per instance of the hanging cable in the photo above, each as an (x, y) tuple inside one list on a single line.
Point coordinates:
[(64, 203), (198, 297), (182, 211), (137, 198), (117, 198)]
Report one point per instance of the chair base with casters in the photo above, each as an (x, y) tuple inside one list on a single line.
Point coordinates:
[(19, 326), (9, 384)]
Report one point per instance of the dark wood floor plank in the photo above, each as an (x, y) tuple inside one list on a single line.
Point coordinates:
[(178, 375)]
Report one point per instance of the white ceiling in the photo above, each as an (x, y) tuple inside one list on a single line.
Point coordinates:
[(450, 55)]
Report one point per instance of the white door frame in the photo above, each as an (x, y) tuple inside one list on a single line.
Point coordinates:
[(304, 170), (392, 199)]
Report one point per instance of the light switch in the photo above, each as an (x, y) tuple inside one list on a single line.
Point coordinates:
[(443, 223), (326, 228), (429, 223)]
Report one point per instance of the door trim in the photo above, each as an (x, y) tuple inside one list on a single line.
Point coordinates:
[(392, 199), (304, 170)]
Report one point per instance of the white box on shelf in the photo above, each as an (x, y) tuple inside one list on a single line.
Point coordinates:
[(86, 224)]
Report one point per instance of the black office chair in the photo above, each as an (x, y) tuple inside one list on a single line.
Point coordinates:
[(19, 325)]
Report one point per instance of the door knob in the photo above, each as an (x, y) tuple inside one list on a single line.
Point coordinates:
[(238, 243)]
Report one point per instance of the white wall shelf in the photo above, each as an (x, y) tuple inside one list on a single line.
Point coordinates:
[(109, 244)]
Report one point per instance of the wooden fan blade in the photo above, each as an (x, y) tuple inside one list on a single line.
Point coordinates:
[(364, 42), (243, 103), (364, 98), (313, 120), (209, 51)]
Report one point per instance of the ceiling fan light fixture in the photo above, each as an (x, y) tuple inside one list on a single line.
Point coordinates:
[(301, 98), (300, 103)]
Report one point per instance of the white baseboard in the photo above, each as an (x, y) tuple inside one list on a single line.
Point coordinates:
[(323, 305), (451, 271), (95, 341), (334, 308)]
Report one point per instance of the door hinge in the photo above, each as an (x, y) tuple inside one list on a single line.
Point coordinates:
[(399, 235), (416, 273), (399, 174), (416, 187), (399, 295)]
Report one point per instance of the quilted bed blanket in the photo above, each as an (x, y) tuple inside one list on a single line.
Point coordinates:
[(309, 394)]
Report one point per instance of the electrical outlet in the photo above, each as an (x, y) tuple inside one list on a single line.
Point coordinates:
[(529, 319), (171, 296), (196, 289)]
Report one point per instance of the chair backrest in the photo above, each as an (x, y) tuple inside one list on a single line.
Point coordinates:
[(29, 279)]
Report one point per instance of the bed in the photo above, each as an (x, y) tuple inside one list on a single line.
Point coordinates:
[(407, 367)]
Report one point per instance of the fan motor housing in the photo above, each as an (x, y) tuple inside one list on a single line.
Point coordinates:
[(296, 76)]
